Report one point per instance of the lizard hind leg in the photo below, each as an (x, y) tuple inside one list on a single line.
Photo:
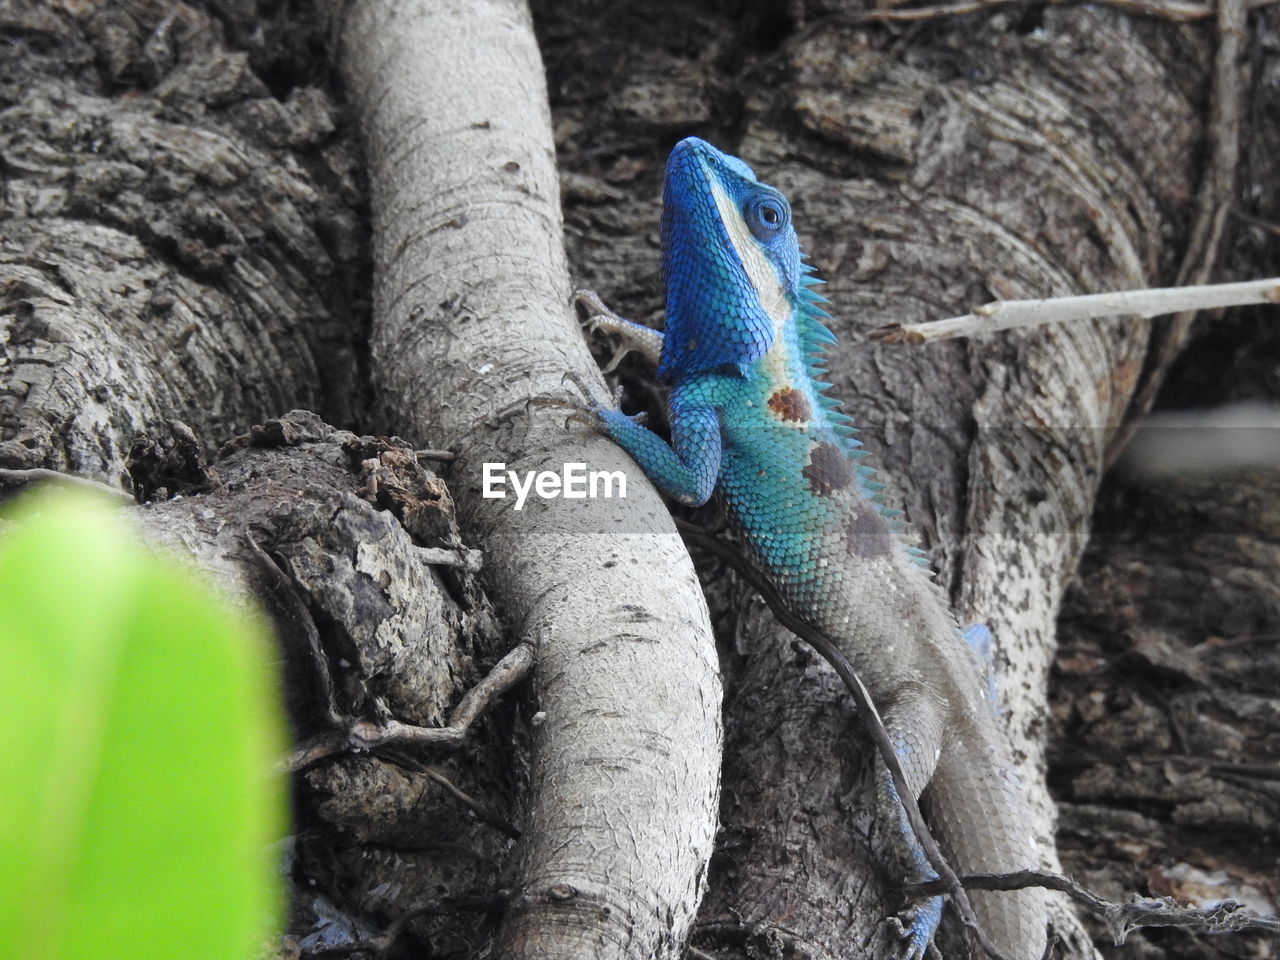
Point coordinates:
[(918, 921), (976, 815), (913, 721)]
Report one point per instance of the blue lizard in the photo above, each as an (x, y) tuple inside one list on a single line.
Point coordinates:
[(751, 419)]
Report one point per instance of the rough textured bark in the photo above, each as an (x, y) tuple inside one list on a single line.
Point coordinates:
[(185, 250), (184, 234), (1163, 726), (1165, 711), (288, 515)]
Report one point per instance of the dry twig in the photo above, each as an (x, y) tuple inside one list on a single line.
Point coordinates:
[(1121, 919), (1176, 10), (1021, 314), (287, 590), (1213, 203), (483, 813), (444, 456), (367, 735)]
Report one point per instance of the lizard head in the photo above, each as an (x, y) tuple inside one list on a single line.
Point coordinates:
[(730, 261)]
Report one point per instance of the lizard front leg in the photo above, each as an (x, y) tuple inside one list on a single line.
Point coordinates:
[(688, 467)]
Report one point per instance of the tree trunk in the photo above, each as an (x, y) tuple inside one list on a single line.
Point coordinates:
[(470, 283), (189, 234)]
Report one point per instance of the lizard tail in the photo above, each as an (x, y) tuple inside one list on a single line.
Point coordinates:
[(980, 822)]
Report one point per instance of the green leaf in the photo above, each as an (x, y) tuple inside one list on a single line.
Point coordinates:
[(139, 722)]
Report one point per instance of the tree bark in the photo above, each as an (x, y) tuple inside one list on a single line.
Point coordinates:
[(186, 235), (470, 283), (168, 253)]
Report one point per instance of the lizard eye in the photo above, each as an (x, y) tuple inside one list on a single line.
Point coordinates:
[(766, 216)]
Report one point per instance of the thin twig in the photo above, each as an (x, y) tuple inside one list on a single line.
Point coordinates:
[(368, 735), (1233, 643), (1175, 10), (482, 812), (1121, 918), (314, 749), (444, 456), (20, 478), (287, 589), (384, 941), (1020, 314), (866, 711), (1267, 225), (1213, 204)]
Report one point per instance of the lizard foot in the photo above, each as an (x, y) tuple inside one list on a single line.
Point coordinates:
[(583, 407), (596, 316), (916, 925), (579, 411), (594, 310), (633, 337), (592, 407)]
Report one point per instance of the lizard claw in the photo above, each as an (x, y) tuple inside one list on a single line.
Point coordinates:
[(593, 308), (911, 948), (588, 410), (579, 384), (596, 316), (509, 413), (634, 337), (616, 360), (617, 393), (583, 408), (915, 926)]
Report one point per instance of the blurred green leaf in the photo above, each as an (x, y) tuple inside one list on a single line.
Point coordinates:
[(139, 723)]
